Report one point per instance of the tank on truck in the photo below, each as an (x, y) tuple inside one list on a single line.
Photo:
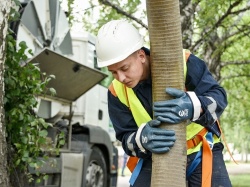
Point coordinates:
[(72, 80)]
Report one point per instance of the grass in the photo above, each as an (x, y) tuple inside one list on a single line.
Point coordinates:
[(238, 180), (240, 174), (241, 180)]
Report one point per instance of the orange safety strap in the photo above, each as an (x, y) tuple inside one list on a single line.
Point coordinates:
[(207, 156), (196, 139), (187, 54), (131, 163), (207, 162), (112, 90), (224, 140)]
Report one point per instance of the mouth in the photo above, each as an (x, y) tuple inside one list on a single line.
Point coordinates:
[(128, 83)]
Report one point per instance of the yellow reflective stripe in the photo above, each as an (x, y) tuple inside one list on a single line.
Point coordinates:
[(193, 129), (120, 92), (138, 111), (184, 63)]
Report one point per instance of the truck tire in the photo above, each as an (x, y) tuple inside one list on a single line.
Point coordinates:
[(96, 175)]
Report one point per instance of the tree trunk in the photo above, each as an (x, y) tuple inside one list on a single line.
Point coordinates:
[(167, 71), (5, 6)]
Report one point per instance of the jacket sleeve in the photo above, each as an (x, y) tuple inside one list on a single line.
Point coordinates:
[(125, 126), (212, 96)]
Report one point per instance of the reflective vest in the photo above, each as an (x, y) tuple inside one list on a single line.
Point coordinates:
[(195, 133)]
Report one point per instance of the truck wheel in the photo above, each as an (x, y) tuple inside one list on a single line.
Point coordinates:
[(96, 175)]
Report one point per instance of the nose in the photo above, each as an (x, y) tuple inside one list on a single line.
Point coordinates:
[(120, 76)]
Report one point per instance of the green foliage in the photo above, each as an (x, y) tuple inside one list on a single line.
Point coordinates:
[(228, 22), (70, 7), (107, 81), (237, 115), (107, 13), (26, 133)]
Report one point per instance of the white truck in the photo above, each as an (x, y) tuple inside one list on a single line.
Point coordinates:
[(79, 108)]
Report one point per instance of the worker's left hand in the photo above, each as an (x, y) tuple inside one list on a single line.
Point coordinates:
[(174, 110)]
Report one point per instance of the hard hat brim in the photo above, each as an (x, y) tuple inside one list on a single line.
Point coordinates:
[(101, 63)]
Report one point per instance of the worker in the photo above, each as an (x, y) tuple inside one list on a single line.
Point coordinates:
[(136, 120), (124, 163)]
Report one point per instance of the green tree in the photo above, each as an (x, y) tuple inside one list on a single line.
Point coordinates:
[(216, 31)]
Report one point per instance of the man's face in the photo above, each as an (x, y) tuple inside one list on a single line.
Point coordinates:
[(130, 70)]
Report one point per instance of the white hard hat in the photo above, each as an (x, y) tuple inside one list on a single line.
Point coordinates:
[(116, 40)]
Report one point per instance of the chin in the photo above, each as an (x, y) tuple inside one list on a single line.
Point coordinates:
[(130, 85)]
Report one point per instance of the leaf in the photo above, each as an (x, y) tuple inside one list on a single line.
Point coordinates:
[(62, 142), (24, 140), (52, 76), (45, 177), (52, 91), (17, 162), (43, 133), (32, 164), (17, 145)]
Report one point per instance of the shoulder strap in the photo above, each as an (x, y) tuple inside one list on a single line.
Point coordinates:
[(186, 54), (112, 90)]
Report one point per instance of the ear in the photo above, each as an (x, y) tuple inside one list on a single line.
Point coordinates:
[(142, 55)]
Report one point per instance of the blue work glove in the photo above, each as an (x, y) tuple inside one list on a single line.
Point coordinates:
[(175, 110), (155, 139)]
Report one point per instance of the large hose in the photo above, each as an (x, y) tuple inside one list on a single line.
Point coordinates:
[(167, 71)]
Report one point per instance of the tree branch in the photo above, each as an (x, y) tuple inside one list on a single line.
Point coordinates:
[(218, 23), (244, 31), (120, 11), (233, 76), (223, 64), (241, 10), (227, 13)]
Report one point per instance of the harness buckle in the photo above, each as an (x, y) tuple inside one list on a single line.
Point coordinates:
[(195, 141)]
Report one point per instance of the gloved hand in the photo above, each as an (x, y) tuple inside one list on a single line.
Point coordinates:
[(174, 110), (155, 139)]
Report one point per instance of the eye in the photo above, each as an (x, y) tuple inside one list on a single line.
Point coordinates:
[(125, 68)]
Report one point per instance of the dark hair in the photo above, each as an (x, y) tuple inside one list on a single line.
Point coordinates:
[(146, 50)]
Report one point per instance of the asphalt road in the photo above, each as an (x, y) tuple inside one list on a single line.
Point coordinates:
[(123, 181), (240, 168), (233, 169)]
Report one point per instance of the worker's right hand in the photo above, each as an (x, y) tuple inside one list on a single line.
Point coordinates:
[(155, 139)]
